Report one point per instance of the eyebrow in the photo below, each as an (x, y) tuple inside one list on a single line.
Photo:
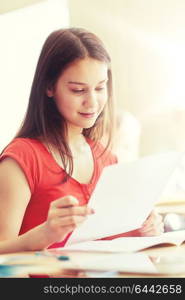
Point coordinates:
[(83, 83)]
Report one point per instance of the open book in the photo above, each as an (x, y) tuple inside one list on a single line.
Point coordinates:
[(129, 244), (125, 195)]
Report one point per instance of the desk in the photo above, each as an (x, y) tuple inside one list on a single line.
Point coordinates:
[(54, 268), (154, 253)]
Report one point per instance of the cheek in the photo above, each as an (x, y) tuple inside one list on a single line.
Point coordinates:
[(66, 105), (103, 100)]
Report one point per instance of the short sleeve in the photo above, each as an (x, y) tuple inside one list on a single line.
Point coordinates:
[(112, 158), (107, 157), (23, 153)]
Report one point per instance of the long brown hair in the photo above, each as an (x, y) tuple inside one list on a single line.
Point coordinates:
[(42, 118)]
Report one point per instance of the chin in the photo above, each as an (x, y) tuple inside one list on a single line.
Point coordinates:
[(84, 124), (87, 126)]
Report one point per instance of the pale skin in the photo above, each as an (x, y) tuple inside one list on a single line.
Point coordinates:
[(80, 94)]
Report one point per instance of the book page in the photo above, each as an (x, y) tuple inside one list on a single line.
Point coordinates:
[(125, 195), (174, 237), (132, 263), (129, 244)]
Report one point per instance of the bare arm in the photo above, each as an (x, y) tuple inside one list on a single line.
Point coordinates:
[(63, 216), (14, 197)]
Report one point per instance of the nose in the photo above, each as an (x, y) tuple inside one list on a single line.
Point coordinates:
[(90, 100)]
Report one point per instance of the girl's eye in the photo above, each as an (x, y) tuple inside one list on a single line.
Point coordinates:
[(78, 91), (100, 88)]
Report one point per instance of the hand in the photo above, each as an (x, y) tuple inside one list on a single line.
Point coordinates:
[(64, 216), (152, 226)]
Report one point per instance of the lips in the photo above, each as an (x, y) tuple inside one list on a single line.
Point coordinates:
[(87, 115)]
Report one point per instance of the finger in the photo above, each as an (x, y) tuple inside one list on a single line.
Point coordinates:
[(70, 220), (63, 231), (151, 233), (71, 211), (76, 211), (149, 226), (148, 219), (152, 226), (151, 215), (153, 218), (162, 227), (66, 201), (152, 230)]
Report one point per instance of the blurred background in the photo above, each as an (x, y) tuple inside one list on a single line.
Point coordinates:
[(146, 40)]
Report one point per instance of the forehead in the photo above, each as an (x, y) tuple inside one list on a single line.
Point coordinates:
[(87, 70)]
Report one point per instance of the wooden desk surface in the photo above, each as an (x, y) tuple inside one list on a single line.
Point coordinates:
[(54, 268)]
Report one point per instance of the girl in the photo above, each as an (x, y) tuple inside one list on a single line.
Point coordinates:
[(50, 169)]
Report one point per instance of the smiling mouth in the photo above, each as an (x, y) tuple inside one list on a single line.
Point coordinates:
[(87, 115)]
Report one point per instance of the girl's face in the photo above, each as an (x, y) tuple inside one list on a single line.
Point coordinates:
[(81, 92)]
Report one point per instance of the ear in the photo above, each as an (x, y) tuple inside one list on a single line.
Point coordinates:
[(49, 92)]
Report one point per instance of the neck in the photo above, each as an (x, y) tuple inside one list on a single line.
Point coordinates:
[(75, 136)]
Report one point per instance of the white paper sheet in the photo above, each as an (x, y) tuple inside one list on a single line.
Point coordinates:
[(133, 263), (125, 195), (128, 244)]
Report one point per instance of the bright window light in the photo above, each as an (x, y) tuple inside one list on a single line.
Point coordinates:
[(23, 32)]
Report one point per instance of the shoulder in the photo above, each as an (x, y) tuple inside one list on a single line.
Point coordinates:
[(17, 142), (23, 146), (27, 153)]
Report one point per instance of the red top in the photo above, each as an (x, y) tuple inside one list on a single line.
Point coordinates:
[(44, 177)]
